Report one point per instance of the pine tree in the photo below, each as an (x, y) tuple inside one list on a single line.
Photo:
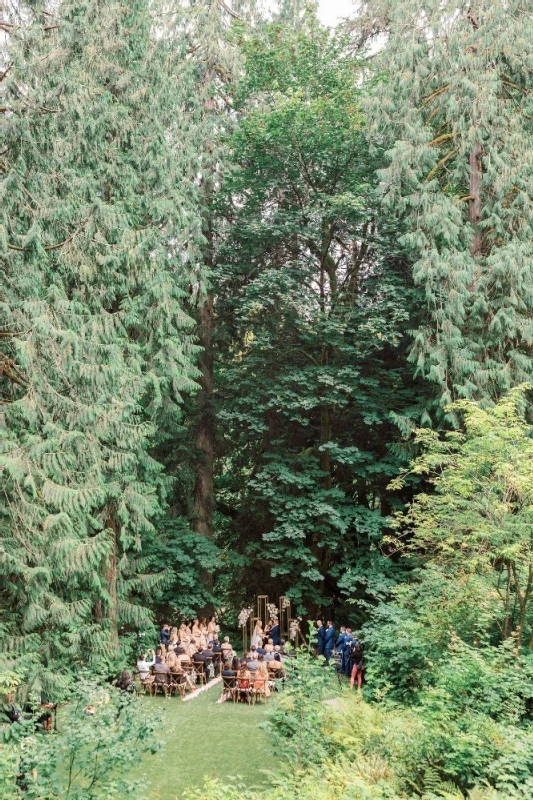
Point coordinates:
[(456, 106), (100, 236)]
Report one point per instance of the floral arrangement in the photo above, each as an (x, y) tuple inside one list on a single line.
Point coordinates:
[(244, 616), (272, 610), (286, 603), (294, 628)]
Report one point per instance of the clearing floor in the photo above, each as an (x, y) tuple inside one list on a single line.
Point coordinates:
[(203, 739)]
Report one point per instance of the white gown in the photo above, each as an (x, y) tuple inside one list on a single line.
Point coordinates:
[(257, 637)]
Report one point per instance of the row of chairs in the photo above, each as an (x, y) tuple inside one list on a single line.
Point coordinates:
[(168, 683)]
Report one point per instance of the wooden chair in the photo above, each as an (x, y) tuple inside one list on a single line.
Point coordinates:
[(229, 684), (177, 683), (247, 692), (146, 683), (162, 681), (208, 668), (260, 687), (199, 669)]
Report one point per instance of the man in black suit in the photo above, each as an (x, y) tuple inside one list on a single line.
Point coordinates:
[(209, 657)]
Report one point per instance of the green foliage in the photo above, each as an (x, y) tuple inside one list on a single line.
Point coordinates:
[(455, 109), (314, 302), (102, 234), (88, 757), (477, 522)]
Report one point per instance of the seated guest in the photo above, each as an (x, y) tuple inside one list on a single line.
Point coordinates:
[(143, 665), (269, 647), (275, 665), (243, 680), (182, 656), (159, 656), (172, 660), (253, 660), (229, 675), (261, 678), (252, 653), (161, 666), (261, 650), (209, 657), (226, 647), (269, 657)]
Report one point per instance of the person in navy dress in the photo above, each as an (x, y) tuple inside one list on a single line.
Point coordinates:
[(329, 640)]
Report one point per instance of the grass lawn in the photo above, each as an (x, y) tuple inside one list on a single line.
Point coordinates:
[(203, 739)]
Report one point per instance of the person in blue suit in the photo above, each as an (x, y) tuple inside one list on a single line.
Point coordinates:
[(329, 640), (339, 644), (346, 650), (275, 632), (320, 637)]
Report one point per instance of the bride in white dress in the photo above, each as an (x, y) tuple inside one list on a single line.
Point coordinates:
[(258, 634)]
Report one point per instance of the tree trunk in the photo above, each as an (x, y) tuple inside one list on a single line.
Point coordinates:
[(205, 434), (474, 209), (108, 613)]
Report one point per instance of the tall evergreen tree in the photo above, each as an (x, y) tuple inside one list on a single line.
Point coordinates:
[(456, 109), (100, 236)]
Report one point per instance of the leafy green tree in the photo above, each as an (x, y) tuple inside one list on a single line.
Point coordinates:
[(477, 522), (456, 110), (313, 306), (101, 232)]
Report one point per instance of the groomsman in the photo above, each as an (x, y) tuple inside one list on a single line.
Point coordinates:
[(346, 650), (320, 637), (329, 640), (339, 644)]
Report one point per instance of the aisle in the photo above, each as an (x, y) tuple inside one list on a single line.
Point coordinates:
[(204, 738)]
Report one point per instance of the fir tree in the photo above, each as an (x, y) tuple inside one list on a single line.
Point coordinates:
[(100, 236), (456, 108)]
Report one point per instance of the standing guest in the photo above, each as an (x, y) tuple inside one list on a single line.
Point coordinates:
[(143, 665), (348, 639), (339, 644), (173, 639), (329, 640), (275, 632), (320, 637), (356, 660), (165, 634), (211, 629)]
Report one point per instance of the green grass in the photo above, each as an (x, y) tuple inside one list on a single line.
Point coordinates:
[(203, 739)]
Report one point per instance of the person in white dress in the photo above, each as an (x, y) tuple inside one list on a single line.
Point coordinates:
[(258, 634)]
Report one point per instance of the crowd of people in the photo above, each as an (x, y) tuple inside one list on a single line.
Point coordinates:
[(192, 654), (346, 648)]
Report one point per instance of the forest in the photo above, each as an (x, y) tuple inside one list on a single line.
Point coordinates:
[(266, 328)]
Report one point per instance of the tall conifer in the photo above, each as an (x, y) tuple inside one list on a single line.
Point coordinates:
[(456, 106), (100, 235)]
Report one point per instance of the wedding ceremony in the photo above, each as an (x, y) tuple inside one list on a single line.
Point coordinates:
[(266, 399)]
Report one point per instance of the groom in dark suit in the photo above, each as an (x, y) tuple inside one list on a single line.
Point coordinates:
[(329, 640), (275, 632)]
